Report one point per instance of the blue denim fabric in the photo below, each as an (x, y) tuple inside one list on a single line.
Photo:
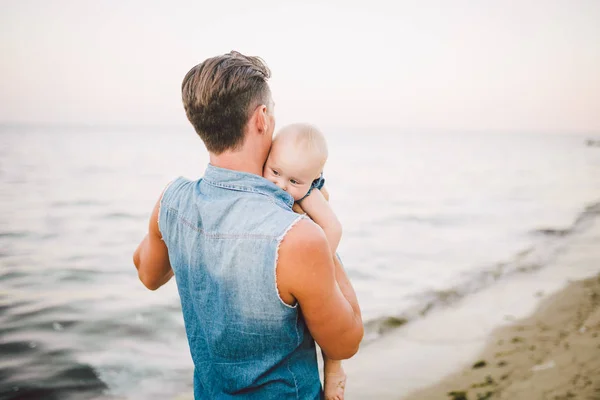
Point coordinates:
[(316, 184), (222, 233)]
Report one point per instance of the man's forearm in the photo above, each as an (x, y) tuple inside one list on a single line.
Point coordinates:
[(346, 288)]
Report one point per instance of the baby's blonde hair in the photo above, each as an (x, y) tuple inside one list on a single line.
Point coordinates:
[(307, 138)]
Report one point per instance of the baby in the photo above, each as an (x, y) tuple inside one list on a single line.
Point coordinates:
[(295, 164)]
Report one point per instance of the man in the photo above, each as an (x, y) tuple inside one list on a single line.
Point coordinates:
[(252, 301)]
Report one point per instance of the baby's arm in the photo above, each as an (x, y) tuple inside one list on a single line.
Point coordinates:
[(297, 208), (318, 209)]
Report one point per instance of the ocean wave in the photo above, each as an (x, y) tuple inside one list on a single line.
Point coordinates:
[(78, 203), (15, 234), (123, 215), (525, 261)]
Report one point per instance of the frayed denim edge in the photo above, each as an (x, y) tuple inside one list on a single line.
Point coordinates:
[(279, 240)]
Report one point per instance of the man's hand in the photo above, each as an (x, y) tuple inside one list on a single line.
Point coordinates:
[(151, 258)]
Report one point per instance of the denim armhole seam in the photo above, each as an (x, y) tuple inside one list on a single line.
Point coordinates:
[(160, 206), (279, 240)]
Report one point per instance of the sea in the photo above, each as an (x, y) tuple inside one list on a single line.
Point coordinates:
[(429, 218)]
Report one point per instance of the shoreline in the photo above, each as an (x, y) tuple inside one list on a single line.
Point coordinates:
[(553, 354), (428, 357)]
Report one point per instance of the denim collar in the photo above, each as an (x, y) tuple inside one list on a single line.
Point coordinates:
[(246, 182)]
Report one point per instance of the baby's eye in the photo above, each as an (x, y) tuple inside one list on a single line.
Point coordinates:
[(293, 182), (276, 173)]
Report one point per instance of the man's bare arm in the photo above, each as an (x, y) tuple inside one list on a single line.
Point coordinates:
[(308, 274), (151, 258)]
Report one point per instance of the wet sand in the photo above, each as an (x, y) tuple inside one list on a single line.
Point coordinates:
[(554, 354)]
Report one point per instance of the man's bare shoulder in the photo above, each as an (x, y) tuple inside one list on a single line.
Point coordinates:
[(304, 235), (304, 256)]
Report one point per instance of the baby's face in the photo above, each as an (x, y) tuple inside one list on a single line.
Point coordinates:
[(292, 171)]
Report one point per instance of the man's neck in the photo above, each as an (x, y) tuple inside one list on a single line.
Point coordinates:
[(237, 161)]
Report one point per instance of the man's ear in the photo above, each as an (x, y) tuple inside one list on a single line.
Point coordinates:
[(261, 119)]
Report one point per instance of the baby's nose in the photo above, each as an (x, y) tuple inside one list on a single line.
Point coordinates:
[(281, 185)]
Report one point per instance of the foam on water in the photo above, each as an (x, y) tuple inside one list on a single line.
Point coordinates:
[(450, 337)]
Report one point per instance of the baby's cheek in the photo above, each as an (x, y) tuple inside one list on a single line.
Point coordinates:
[(299, 192)]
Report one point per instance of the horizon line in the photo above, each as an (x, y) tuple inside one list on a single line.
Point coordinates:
[(179, 126)]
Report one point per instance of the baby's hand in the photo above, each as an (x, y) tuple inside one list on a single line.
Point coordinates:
[(335, 385), (325, 193), (297, 208)]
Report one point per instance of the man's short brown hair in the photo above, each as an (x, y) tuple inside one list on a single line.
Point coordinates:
[(219, 96)]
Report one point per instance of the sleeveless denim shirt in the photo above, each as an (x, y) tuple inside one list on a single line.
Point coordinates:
[(223, 232)]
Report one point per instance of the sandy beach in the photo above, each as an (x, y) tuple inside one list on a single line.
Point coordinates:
[(535, 335), (554, 354)]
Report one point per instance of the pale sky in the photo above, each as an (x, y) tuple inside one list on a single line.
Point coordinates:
[(441, 65)]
